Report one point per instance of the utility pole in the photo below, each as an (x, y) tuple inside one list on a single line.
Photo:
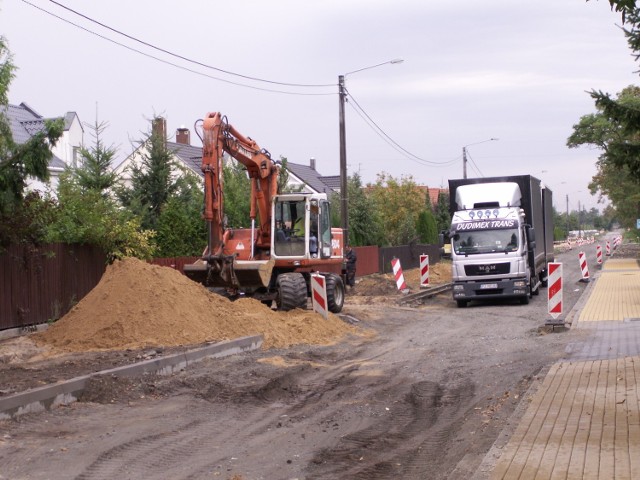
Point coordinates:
[(579, 220), (343, 163), (464, 162), (567, 216), (344, 195)]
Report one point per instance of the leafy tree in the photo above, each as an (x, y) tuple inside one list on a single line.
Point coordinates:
[(365, 226), (181, 229), (87, 216), (398, 203), (237, 194), (18, 163), (426, 227), (95, 172), (152, 181), (614, 177), (443, 219)]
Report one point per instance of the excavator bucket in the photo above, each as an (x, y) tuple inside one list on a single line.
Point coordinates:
[(226, 271)]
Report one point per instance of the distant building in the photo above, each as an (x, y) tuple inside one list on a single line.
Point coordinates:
[(25, 122)]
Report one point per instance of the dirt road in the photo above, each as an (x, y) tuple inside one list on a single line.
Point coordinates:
[(424, 395)]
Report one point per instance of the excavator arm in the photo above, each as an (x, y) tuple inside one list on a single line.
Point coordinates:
[(219, 137)]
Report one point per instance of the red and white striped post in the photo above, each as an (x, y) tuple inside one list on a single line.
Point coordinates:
[(599, 254), (554, 291), (608, 248), (584, 267), (424, 270), (397, 273), (319, 294)]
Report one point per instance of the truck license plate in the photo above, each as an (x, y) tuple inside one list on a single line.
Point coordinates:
[(486, 286)]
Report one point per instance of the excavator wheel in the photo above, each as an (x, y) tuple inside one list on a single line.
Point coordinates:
[(292, 291), (335, 293)]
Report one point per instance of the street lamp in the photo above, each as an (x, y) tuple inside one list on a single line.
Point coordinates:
[(464, 154), (343, 147)]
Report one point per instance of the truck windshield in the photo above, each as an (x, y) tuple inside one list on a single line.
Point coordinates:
[(485, 241)]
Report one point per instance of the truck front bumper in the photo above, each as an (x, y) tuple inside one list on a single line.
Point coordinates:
[(488, 289)]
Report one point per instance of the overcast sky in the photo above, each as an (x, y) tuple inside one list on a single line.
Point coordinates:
[(473, 70)]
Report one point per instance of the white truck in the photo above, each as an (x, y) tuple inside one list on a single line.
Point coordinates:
[(494, 226)]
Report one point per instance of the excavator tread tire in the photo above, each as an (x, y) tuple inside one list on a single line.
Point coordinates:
[(335, 293), (292, 291)]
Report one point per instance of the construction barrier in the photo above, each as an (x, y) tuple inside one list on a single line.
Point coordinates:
[(424, 270), (599, 254), (608, 250), (397, 273), (554, 291), (319, 294), (584, 267)]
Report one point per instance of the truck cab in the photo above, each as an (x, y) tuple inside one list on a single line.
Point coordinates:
[(489, 249), (492, 236)]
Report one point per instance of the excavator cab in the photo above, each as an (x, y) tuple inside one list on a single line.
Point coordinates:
[(301, 226)]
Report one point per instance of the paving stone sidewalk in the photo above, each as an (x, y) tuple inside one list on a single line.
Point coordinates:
[(584, 421)]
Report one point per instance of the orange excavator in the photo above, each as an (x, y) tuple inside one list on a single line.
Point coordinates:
[(290, 235)]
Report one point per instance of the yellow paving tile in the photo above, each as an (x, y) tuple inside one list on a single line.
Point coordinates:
[(616, 296), (620, 264), (582, 423)]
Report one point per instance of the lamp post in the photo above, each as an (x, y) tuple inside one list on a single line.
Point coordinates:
[(464, 154), (343, 147)]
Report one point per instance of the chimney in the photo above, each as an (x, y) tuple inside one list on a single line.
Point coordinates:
[(312, 163), (183, 136), (159, 128)]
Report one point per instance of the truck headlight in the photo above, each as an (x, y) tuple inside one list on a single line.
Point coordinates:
[(520, 283), (458, 287)]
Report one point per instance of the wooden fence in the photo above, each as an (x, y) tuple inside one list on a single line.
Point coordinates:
[(39, 285), (42, 284)]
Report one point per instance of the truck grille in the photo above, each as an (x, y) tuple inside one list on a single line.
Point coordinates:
[(486, 269)]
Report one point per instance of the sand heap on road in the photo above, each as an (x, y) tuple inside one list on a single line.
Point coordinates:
[(138, 305)]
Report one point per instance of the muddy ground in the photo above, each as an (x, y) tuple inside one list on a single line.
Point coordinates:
[(420, 392)]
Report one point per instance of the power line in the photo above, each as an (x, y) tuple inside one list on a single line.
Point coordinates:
[(180, 66), (475, 167), (130, 37), (395, 145)]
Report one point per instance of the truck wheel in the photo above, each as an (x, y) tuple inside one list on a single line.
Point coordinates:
[(292, 291), (335, 293), (461, 303)]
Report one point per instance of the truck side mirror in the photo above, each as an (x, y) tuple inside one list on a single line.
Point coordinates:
[(531, 238)]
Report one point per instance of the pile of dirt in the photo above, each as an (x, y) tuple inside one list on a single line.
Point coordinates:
[(384, 285), (138, 305)]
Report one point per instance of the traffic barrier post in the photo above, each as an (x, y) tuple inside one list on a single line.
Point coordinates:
[(424, 271), (584, 267), (554, 291), (319, 294), (397, 273)]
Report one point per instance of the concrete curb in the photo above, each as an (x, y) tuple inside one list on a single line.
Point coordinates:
[(64, 393)]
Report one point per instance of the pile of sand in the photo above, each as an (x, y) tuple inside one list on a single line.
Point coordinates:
[(138, 305)]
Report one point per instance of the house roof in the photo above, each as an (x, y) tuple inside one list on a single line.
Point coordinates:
[(433, 193), (25, 122), (312, 178), (191, 156)]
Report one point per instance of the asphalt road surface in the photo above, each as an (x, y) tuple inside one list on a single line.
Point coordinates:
[(426, 395)]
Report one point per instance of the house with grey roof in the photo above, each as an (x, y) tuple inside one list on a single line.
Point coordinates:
[(25, 122), (311, 181), (187, 156), (302, 178)]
